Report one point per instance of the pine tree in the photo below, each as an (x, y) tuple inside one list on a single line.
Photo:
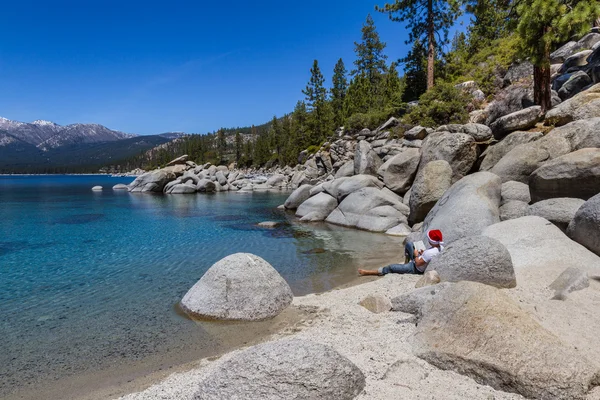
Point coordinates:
[(370, 60), (316, 99), (415, 72), (299, 126), (489, 22), (393, 87), (359, 98), (427, 21), (543, 24), (221, 145), (276, 136), (338, 92), (239, 144)]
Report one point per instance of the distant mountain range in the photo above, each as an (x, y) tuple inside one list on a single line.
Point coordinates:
[(46, 147)]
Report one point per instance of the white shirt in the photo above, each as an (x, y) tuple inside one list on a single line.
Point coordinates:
[(428, 255)]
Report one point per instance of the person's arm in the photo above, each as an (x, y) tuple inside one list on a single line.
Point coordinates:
[(419, 262)]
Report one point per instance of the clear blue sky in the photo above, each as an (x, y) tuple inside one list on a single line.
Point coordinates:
[(156, 66)]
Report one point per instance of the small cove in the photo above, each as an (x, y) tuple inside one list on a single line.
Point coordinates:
[(89, 280)]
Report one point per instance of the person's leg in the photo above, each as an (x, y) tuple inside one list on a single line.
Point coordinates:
[(409, 251), (368, 272)]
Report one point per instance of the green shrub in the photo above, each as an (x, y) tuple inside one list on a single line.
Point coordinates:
[(372, 119), (312, 149), (444, 104)]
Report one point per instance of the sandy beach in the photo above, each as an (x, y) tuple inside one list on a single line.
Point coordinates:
[(379, 344)]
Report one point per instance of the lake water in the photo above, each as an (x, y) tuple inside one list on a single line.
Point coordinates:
[(90, 280)]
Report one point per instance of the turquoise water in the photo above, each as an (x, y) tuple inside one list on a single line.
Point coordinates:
[(87, 278)]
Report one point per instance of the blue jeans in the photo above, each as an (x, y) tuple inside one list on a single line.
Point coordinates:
[(408, 268)]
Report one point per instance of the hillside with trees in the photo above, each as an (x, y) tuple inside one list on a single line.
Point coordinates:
[(367, 91)]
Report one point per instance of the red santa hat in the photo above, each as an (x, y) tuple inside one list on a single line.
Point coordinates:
[(435, 237)]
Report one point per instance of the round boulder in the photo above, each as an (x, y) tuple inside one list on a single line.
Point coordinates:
[(585, 226), (285, 369), (120, 186), (559, 211), (476, 259), (97, 188), (240, 287)]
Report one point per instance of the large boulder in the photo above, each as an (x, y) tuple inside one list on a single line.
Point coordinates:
[(578, 59), (523, 119), (470, 205), (347, 169), (316, 208), (297, 197), (153, 181), (585, 226), (584, 105), (206, 186), (183, 188), (276, 180), (240, 287), (366, 161), (342, 187), (494, 153), (399, 171), (564, 52), (574, 85), (513, 209), (513, 190), (509, 100), (458, 149), (477, 259), (284, 369), (479, 331), (576, 174), (518, 72), (412, 302), (370, 209), (560, 211), (431, 183), (417, 133), (535, 244)]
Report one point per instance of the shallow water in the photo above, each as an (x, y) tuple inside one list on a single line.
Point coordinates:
[(90, 279)]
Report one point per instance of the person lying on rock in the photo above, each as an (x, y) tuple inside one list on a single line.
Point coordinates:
[(417, 260)]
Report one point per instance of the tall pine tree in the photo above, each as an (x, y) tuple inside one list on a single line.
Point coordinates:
[(415, 72), (543, 24), (370, 60), (321, 117), (338, 92), (427, 21), (239, 145)]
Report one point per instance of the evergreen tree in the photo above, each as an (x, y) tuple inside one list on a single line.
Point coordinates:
[(425, 20), (543, 24), (276, 136), (370, 60), (415, 73), (299, 127), (316, 99), (359, 98), (221, 145), (338, 92), (393, 88), (489, 22), (239, 144)]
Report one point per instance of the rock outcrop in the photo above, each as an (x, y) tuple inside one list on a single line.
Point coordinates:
[(486, 336), (429, 186)]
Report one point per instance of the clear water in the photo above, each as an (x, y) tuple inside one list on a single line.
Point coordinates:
[(87, 278)]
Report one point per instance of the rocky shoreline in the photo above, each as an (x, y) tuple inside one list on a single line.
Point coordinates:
[(509, 310)]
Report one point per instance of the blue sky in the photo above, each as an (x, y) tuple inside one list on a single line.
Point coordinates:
[(150, 67)]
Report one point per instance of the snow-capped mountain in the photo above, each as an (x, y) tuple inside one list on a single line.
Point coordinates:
[(47, 135)]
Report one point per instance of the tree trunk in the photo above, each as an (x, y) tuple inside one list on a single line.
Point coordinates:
[(541, 87), (542, 94), (431, 45)]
